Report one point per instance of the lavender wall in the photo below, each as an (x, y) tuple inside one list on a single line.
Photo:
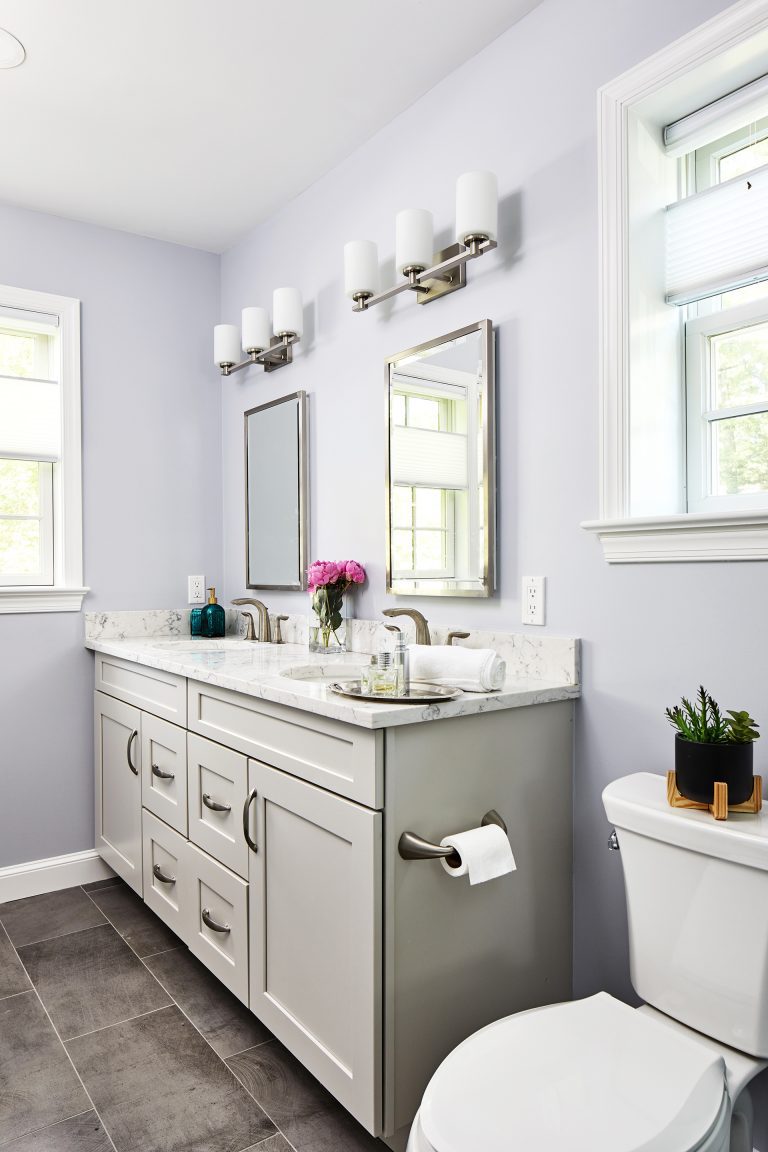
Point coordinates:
[(525, 107), (152, 497)]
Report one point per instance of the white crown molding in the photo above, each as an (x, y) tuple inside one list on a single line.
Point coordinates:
[(675, 539), (38, 876)]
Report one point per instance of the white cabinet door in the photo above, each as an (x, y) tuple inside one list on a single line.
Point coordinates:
[(315, 932), (218, 927), (117, 744), (217, 786), (164, 770), (167, 885)]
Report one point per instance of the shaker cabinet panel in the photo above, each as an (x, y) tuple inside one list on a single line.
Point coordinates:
[(217, 785), (117, 744), (164, 771), (218, 926), (166, 874), (151, 689), (315, 929)]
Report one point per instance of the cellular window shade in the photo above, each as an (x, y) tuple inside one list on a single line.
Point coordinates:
[(30, 418), (717, 240), (427, 459)]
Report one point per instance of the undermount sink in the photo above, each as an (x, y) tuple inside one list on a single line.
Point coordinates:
[(203, 645), (323, 672)]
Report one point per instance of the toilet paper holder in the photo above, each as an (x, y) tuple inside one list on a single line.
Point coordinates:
[(414, 847)]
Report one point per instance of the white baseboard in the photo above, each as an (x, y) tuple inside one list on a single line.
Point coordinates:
[(38, 876)]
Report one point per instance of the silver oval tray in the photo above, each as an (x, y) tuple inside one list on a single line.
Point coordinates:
[(418, 693)]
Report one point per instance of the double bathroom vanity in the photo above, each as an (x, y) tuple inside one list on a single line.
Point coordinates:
[(259, 815)]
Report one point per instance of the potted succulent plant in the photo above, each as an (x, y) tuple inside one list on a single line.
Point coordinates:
[(710, 746)]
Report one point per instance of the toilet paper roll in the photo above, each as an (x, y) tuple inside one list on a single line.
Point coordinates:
[(485, 853)]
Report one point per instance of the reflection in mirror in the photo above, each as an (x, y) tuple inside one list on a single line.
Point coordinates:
[(276, 493), (441, 466)]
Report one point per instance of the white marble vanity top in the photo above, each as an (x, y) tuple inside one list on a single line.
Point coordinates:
[(257, 670)]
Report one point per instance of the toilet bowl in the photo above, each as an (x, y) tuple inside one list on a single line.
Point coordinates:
[(596, 1075)]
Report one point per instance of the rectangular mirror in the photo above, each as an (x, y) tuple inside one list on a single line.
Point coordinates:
[(276, 499), (441, 466)]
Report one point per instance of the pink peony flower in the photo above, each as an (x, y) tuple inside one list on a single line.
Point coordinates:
[(354, 572)]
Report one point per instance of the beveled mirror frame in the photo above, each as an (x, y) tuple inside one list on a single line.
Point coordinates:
[(488, 586), (302, 489)]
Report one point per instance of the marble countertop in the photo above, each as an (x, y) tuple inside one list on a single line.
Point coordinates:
[(255, 669)]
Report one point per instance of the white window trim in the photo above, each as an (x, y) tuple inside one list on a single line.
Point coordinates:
[(67, 592), (686, 536)]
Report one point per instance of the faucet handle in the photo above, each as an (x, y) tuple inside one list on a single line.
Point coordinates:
[(392, 628), (455, 636), (250, 630), (278, 633)]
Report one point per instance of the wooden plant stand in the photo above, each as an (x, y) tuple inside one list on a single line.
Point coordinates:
[(720, 806)]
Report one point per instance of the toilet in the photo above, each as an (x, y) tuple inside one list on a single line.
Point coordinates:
[(595, 1075)]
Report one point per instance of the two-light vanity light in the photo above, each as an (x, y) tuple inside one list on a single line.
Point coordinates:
[(427, 273), (270, 346)]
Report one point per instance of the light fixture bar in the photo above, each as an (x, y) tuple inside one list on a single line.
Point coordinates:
[(448, 272), (279, 353)]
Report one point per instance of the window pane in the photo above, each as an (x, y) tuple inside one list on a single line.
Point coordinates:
[(430, 551), (19, 547), (398, 408), (429, 507), (744, 160), (17, 354), (740, 366), (402, 551), (740, 455), (402, 506), (19, 488), (423, 413)]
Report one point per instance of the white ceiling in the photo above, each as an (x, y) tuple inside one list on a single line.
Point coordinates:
[(193, 120)]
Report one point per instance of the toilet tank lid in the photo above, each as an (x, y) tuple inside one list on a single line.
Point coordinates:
[(638, 803)]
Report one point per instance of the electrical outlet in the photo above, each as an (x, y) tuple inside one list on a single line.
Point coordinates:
[(534, 600), (196, 589)]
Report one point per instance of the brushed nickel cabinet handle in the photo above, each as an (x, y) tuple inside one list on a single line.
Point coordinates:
[(131, 739), (246, 812), (209, 921), (214, 804), (161, 774), (163, 876)]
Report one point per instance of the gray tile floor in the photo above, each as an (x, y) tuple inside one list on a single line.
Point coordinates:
[(114, 1038)]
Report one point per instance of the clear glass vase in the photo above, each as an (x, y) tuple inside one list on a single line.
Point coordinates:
[(328, 623)]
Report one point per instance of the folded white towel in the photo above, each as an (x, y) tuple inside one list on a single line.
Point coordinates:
[(472, 669)]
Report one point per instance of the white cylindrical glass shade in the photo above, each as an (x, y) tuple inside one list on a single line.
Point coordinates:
[(256, 329), (413, 239), (477, 205), (361, 268), (226, 344), (287, 312)]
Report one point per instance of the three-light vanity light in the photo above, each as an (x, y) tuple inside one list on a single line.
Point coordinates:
[(265, 344), (427, 273)]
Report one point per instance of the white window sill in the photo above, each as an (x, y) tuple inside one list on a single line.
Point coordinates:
[(691, 537), (36, 599)]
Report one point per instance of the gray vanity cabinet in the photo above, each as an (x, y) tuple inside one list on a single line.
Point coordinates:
[(117, 744), (315, 932)]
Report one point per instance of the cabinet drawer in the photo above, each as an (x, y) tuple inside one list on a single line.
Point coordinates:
[(217, 785), (166, 875), (150, 689), (340, 757), (164, 771), (219, 921)]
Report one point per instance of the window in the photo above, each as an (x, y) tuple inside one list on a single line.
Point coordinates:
[(684, 305), (40, 486)]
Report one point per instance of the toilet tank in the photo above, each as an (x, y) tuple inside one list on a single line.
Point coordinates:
[(697, 906)]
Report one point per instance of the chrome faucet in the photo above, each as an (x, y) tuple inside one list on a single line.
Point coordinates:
[(422, 627), (265, 633)]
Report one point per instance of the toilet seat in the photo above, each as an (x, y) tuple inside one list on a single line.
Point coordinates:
[(593, 1075)]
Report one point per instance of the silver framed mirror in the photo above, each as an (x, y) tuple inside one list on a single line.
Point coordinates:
[(441, 466), (276, 494)]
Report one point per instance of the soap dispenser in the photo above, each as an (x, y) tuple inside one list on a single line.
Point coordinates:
[(212, 618)]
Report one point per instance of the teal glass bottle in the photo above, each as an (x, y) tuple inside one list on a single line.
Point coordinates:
[(195, 620), (212, 617)]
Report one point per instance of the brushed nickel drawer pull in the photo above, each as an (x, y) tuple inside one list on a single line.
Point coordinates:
[(214, 804), (211, 923), (163, 877), (246, 812), (161, 774), (131, 739)]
